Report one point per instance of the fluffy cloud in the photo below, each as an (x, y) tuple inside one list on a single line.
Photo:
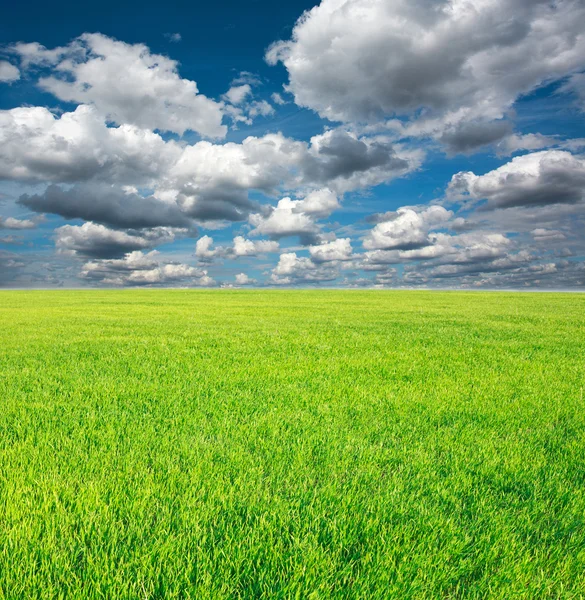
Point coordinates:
[(243, 279), (295, 217), (36, 145), (12, 223), (406, 229), (207, 182), (238, 93), (244, 247), (137, 268), (206, 252), (331, 251), (540, 178), (8, 72), (150, 95), (96, 241), (292, 269), (451, 61)]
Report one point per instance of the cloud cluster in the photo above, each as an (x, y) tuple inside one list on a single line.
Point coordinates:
[(205, 250), (96, 241), (406, 229), (449, 66), (540, 178), (388, 72), (137, 268), (202, 181), (292, 270), (150, 95), (296, 217)]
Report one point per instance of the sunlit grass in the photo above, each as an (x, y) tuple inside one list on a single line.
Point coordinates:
[(302, 444)]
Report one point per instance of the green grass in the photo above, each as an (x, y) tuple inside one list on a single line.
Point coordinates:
[(302, 444)]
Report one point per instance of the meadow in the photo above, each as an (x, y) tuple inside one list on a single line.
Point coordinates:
[(292, 444)]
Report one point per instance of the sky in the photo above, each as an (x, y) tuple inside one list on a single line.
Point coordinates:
[(346, 143)]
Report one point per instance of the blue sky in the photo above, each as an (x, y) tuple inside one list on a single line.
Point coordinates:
[(368, 143)]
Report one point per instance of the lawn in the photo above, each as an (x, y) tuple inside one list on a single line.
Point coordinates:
[(292, 444)]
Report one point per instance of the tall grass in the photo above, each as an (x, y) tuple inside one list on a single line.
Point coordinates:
[(292, 444)]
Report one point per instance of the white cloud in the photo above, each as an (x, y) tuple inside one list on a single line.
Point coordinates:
[(540, 178), (78, 146), (438, 62), (318, 204), (277, 99), (294, 269), (137, 268), (243, 279), (244, 247), (150, 94), (287, 219), (8, 72), (238, 93), (205, 181), (206, 252), (407, 228), (12, 223), (339, 249)]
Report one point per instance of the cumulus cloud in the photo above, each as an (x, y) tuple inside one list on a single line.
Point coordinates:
[(96, 241), (540, 178), (137, 268), (238, 93), (296, 217), (8, 72), (244, 247), (12, 223), (335, 250), (407, 228), (36, 145), (450, 61), (292, 269), (243, 279), (208, 182), (205, 250), (150, 95)]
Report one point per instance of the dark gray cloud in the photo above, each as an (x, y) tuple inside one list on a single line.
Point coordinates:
[(465, 138), (106, 205), (337, 155)]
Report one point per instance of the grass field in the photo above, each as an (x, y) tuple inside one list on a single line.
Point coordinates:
[(292, 444)]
